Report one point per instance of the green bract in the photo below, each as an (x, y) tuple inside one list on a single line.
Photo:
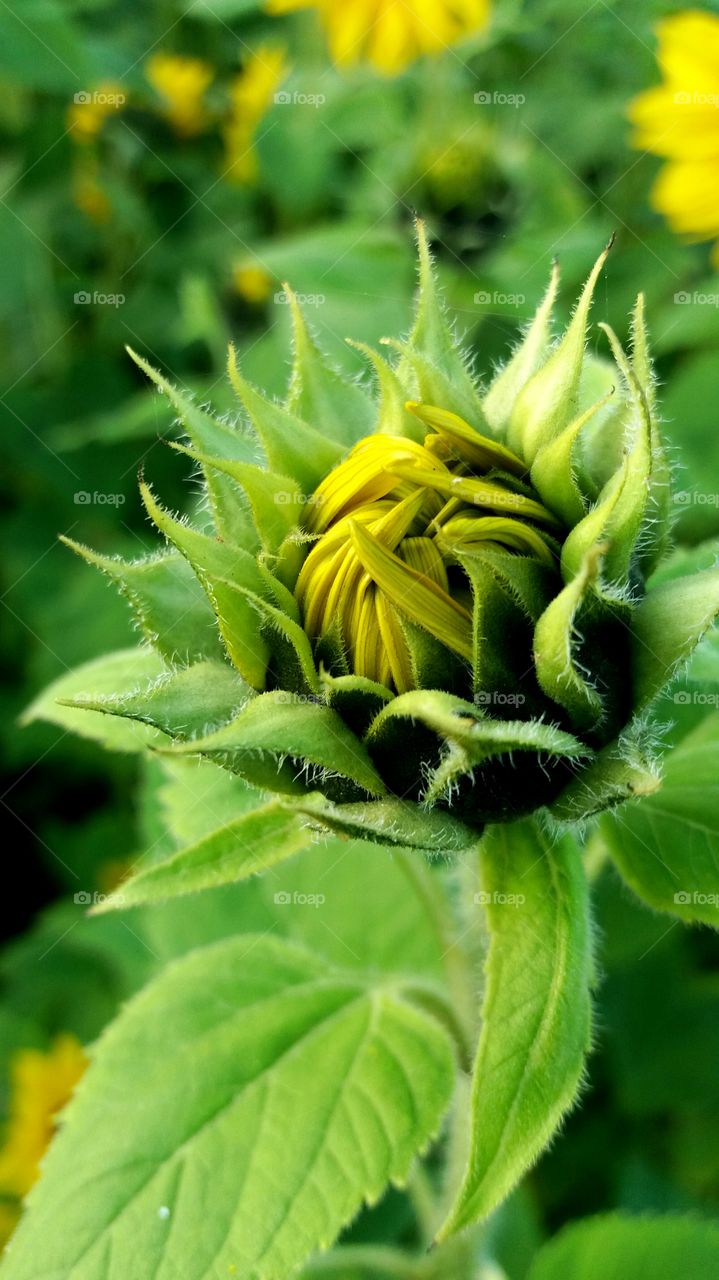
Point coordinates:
[(478, 640)]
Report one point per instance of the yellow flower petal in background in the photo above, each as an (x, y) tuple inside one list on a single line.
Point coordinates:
[(687, 194), (391, 33), (252, 281), (251, 94), (679, 120), (181, 84), (688, 52), (42, 1083)]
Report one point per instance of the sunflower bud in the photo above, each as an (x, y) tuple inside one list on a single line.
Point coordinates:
[(435, 603)]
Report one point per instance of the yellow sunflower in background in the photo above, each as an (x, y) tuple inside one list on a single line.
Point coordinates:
[(679, 119), (181, 84), (391, 33), (41, 1085), (251, 93)]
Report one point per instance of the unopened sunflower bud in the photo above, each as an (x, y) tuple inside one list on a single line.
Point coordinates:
[(437, 604)]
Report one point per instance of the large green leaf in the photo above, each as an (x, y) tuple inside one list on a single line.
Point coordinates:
[(354, 901), (615, 1247), (535, 1014), (235, 1116), (667, 844)]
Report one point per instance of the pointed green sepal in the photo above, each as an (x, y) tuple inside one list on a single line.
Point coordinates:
[(184, 703), (167, 602), (528, 357), (341, 409), (293, 447), (548, 401), (222, 571), (556, 645), (276, 501), (289, 743)]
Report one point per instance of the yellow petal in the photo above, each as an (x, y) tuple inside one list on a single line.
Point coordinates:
[(687, 194), (480, 493), (467, 533), (417, 597), (467, 444), (422, 555), (394, 645)]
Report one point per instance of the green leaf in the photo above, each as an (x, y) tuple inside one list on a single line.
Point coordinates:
[(554, 473), (295, 1090), (623, 770), (433, 350), (245, 846), (275, 500), (667, 627), (318, 394), (555, 649), (666, 846), (167, 602), (548, 401), (181, 703), (226, 573), (292, 446), (278, 736), (210, 436), (458, 738), (617, 1247), (116, 672), (391, 822), (529, 355), (393, 418), (535, 1013)]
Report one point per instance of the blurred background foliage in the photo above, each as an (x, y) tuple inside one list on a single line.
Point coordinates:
[(165, 169)]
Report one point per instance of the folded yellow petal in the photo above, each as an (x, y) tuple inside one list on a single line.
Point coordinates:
[(465, 443), (416, 596)]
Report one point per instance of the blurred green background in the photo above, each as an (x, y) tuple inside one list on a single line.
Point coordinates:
[(162, 204)]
